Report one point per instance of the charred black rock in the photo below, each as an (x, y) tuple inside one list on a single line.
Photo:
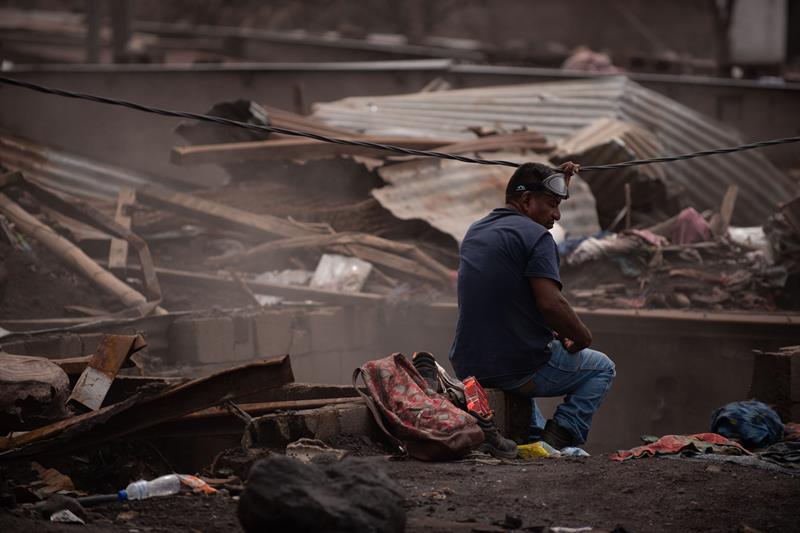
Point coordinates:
[(355, 495)]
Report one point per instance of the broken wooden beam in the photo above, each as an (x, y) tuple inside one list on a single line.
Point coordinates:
[(32, 391), (83, 213), (293, 148), (397, 256), (118, 250), (293, 292), (71, 254), (367, 247), (720, 222), (92, 386), (136, 414), (517, 140), (218, 214)]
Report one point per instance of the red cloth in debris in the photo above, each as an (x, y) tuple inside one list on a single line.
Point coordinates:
[(672, 444), (791, 432), (690, 227)]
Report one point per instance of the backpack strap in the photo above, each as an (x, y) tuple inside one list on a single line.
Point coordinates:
[(373, 408)]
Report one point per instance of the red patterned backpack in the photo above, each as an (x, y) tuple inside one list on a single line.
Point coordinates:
[(421, 422)]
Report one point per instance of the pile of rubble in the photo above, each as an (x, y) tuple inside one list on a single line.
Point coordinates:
[(307, 221)]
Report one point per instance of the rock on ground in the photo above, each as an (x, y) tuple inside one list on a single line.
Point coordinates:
[(355, 495)]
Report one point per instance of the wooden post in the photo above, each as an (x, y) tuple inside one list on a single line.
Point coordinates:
[(627, 205), (72, 255), (118, 251)]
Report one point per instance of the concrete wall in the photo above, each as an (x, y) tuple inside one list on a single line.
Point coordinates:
[(673, 369)]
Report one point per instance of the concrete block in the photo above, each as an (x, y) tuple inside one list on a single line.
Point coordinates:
[(273, 332), (330, 329), (90, 342), (773, 380), (356, 419), (279, 429), (243, 337), (367, 323), (64, 345), (512, 413), (201, 340), (300, 343)]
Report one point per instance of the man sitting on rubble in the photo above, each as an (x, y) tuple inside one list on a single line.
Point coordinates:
[(516, 331)]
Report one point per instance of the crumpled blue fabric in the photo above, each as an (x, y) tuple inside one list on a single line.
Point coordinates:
[(751, 422)]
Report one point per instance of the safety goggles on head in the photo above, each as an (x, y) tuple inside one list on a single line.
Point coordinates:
[(555, 184)]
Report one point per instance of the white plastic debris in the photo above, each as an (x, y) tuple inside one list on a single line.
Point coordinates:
[(574, 451), (285, 277), (340, 273), (65, 516), (752, 237)]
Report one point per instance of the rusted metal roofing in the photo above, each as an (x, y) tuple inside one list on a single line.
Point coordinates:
[(451, 195), (560, 109), (66, 172)]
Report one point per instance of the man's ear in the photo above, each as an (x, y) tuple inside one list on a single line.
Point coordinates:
[(527, 198)]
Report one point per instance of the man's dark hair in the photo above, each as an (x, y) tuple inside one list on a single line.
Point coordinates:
[(529, 175)]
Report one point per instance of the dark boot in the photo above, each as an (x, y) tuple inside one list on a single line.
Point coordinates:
[(426, 366), (494, 443), (556, 436)]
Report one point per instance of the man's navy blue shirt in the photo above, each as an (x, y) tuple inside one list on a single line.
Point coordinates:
[(500, 330)]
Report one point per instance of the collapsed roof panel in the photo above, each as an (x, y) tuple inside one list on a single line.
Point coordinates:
[(560, 109), (66, 172), (451, 195)]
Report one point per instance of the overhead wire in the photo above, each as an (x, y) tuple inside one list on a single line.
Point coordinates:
[(369, 144)]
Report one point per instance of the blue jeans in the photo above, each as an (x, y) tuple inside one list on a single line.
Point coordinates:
[(583, 377)]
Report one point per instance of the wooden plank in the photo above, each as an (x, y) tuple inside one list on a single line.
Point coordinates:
[(293, 148), (260, 408), (218, 214), (135, 415), (70, 254), (518, 140), (118, 251), (377, 250), (293, 292), (721, 221), (95, 381), (398, 256), (395, 262)]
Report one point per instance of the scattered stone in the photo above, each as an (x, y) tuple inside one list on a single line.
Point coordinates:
[(510, 522), (66, 516), (714, 469), (314, 451), (126, 516), (58, 502), (283, 494)]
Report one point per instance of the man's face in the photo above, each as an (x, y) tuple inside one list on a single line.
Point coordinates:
[(542, 208)]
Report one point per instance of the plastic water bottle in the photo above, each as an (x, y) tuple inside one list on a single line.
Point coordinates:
[(161, 486)]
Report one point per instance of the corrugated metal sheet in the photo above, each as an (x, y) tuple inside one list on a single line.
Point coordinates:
[(65, 172), (613, 141), (451, 195), (559, 109)]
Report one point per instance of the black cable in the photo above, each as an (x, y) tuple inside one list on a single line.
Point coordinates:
[(368, 144)]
